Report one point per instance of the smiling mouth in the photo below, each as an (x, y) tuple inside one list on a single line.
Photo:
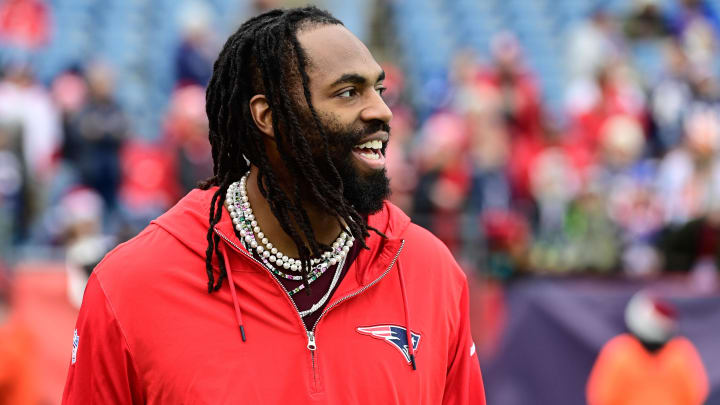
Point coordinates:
[(372, 149), (371, 153)]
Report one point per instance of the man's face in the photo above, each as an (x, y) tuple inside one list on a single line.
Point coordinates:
[(345, 86)]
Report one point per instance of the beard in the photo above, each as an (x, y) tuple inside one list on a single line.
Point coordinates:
[(366, 191)]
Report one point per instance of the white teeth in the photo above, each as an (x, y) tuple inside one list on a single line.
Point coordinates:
[(370, 155), (375, 144)]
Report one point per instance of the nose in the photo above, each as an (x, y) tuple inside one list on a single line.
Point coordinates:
[(376, 109)]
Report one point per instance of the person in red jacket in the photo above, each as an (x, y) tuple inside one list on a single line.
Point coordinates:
[(287, 277)]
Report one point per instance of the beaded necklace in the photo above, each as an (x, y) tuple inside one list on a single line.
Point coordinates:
[(249, 233)]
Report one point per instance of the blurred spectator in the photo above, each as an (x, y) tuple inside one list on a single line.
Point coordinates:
[(445, 177), (26, 104), (645, 21), (689, 175), (478, 101), (626, 179), (98, 133), (697, 26), (69, 92), (149, 185), (14, 207), (669, 99), (688, 12), (29, 141), (508, 239), (615, 91), (197, 50), (650, 364), (24, 24), (694, 246), (593, 245), (186, 130), (554, 183), (516, 89), (591, 44), (573, 231), (81, 216), (466, 70), (489, 151), (17, 376)]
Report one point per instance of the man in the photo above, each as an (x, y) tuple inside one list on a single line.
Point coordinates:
[(318, 291)]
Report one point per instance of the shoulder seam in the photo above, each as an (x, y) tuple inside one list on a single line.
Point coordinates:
[(120, 247)]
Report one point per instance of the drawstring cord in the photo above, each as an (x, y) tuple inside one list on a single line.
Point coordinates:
[(411, 349), (236, 304), (238, 312)]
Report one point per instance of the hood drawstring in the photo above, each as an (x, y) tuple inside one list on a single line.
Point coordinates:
[(236, 304), (411, 349)]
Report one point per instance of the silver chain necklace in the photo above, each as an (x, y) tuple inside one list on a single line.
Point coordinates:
[(249, 233)]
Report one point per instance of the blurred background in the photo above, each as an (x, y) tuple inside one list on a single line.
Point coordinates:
[(567, 151)]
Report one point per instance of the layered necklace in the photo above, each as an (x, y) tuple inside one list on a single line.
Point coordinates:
[(252, 237)]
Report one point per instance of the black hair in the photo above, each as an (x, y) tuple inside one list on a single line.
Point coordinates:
[(265, 57)]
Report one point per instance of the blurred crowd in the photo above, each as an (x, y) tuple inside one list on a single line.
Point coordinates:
[(70, 165), (76, 180), (620, 178), (73, 174), (624, 176)]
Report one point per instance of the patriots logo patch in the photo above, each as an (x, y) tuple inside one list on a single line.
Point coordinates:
[(76, 343), (394, 335)]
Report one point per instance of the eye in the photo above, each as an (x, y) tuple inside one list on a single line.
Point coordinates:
[(381, 90), (347, 93)]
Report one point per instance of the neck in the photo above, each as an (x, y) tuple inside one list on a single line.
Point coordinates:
[(324, 226)]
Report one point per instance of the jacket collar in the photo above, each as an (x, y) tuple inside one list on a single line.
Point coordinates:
[(368, 266), (187, 221)]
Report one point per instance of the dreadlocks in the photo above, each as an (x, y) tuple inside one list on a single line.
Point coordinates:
[(265, 57)]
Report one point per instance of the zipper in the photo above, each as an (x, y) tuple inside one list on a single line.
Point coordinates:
[(358, 292), (311, 341), (312, 345)]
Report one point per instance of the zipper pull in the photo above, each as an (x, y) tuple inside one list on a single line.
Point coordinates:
[(311, 341)]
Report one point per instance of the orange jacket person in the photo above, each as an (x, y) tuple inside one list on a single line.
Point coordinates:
[(17, 377), (648, 366)]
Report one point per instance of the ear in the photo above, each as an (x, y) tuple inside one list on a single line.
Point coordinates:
[(262, 115)]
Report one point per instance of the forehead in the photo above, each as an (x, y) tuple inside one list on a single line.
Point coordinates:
[(332, 51)]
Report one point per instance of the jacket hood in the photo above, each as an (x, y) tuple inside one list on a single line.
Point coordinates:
[(188, 221)]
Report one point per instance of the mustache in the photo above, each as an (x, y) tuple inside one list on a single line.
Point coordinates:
[(369, 129)]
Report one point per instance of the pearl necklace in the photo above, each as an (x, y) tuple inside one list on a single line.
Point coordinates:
[(249, 231)]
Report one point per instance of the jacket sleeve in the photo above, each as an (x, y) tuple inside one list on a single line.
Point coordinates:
[(101, 370), (464, 384)]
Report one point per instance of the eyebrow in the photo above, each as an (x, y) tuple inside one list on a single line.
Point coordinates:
[(354, 78)]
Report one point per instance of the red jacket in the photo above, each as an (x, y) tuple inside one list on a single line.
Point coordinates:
[(149, 332)]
